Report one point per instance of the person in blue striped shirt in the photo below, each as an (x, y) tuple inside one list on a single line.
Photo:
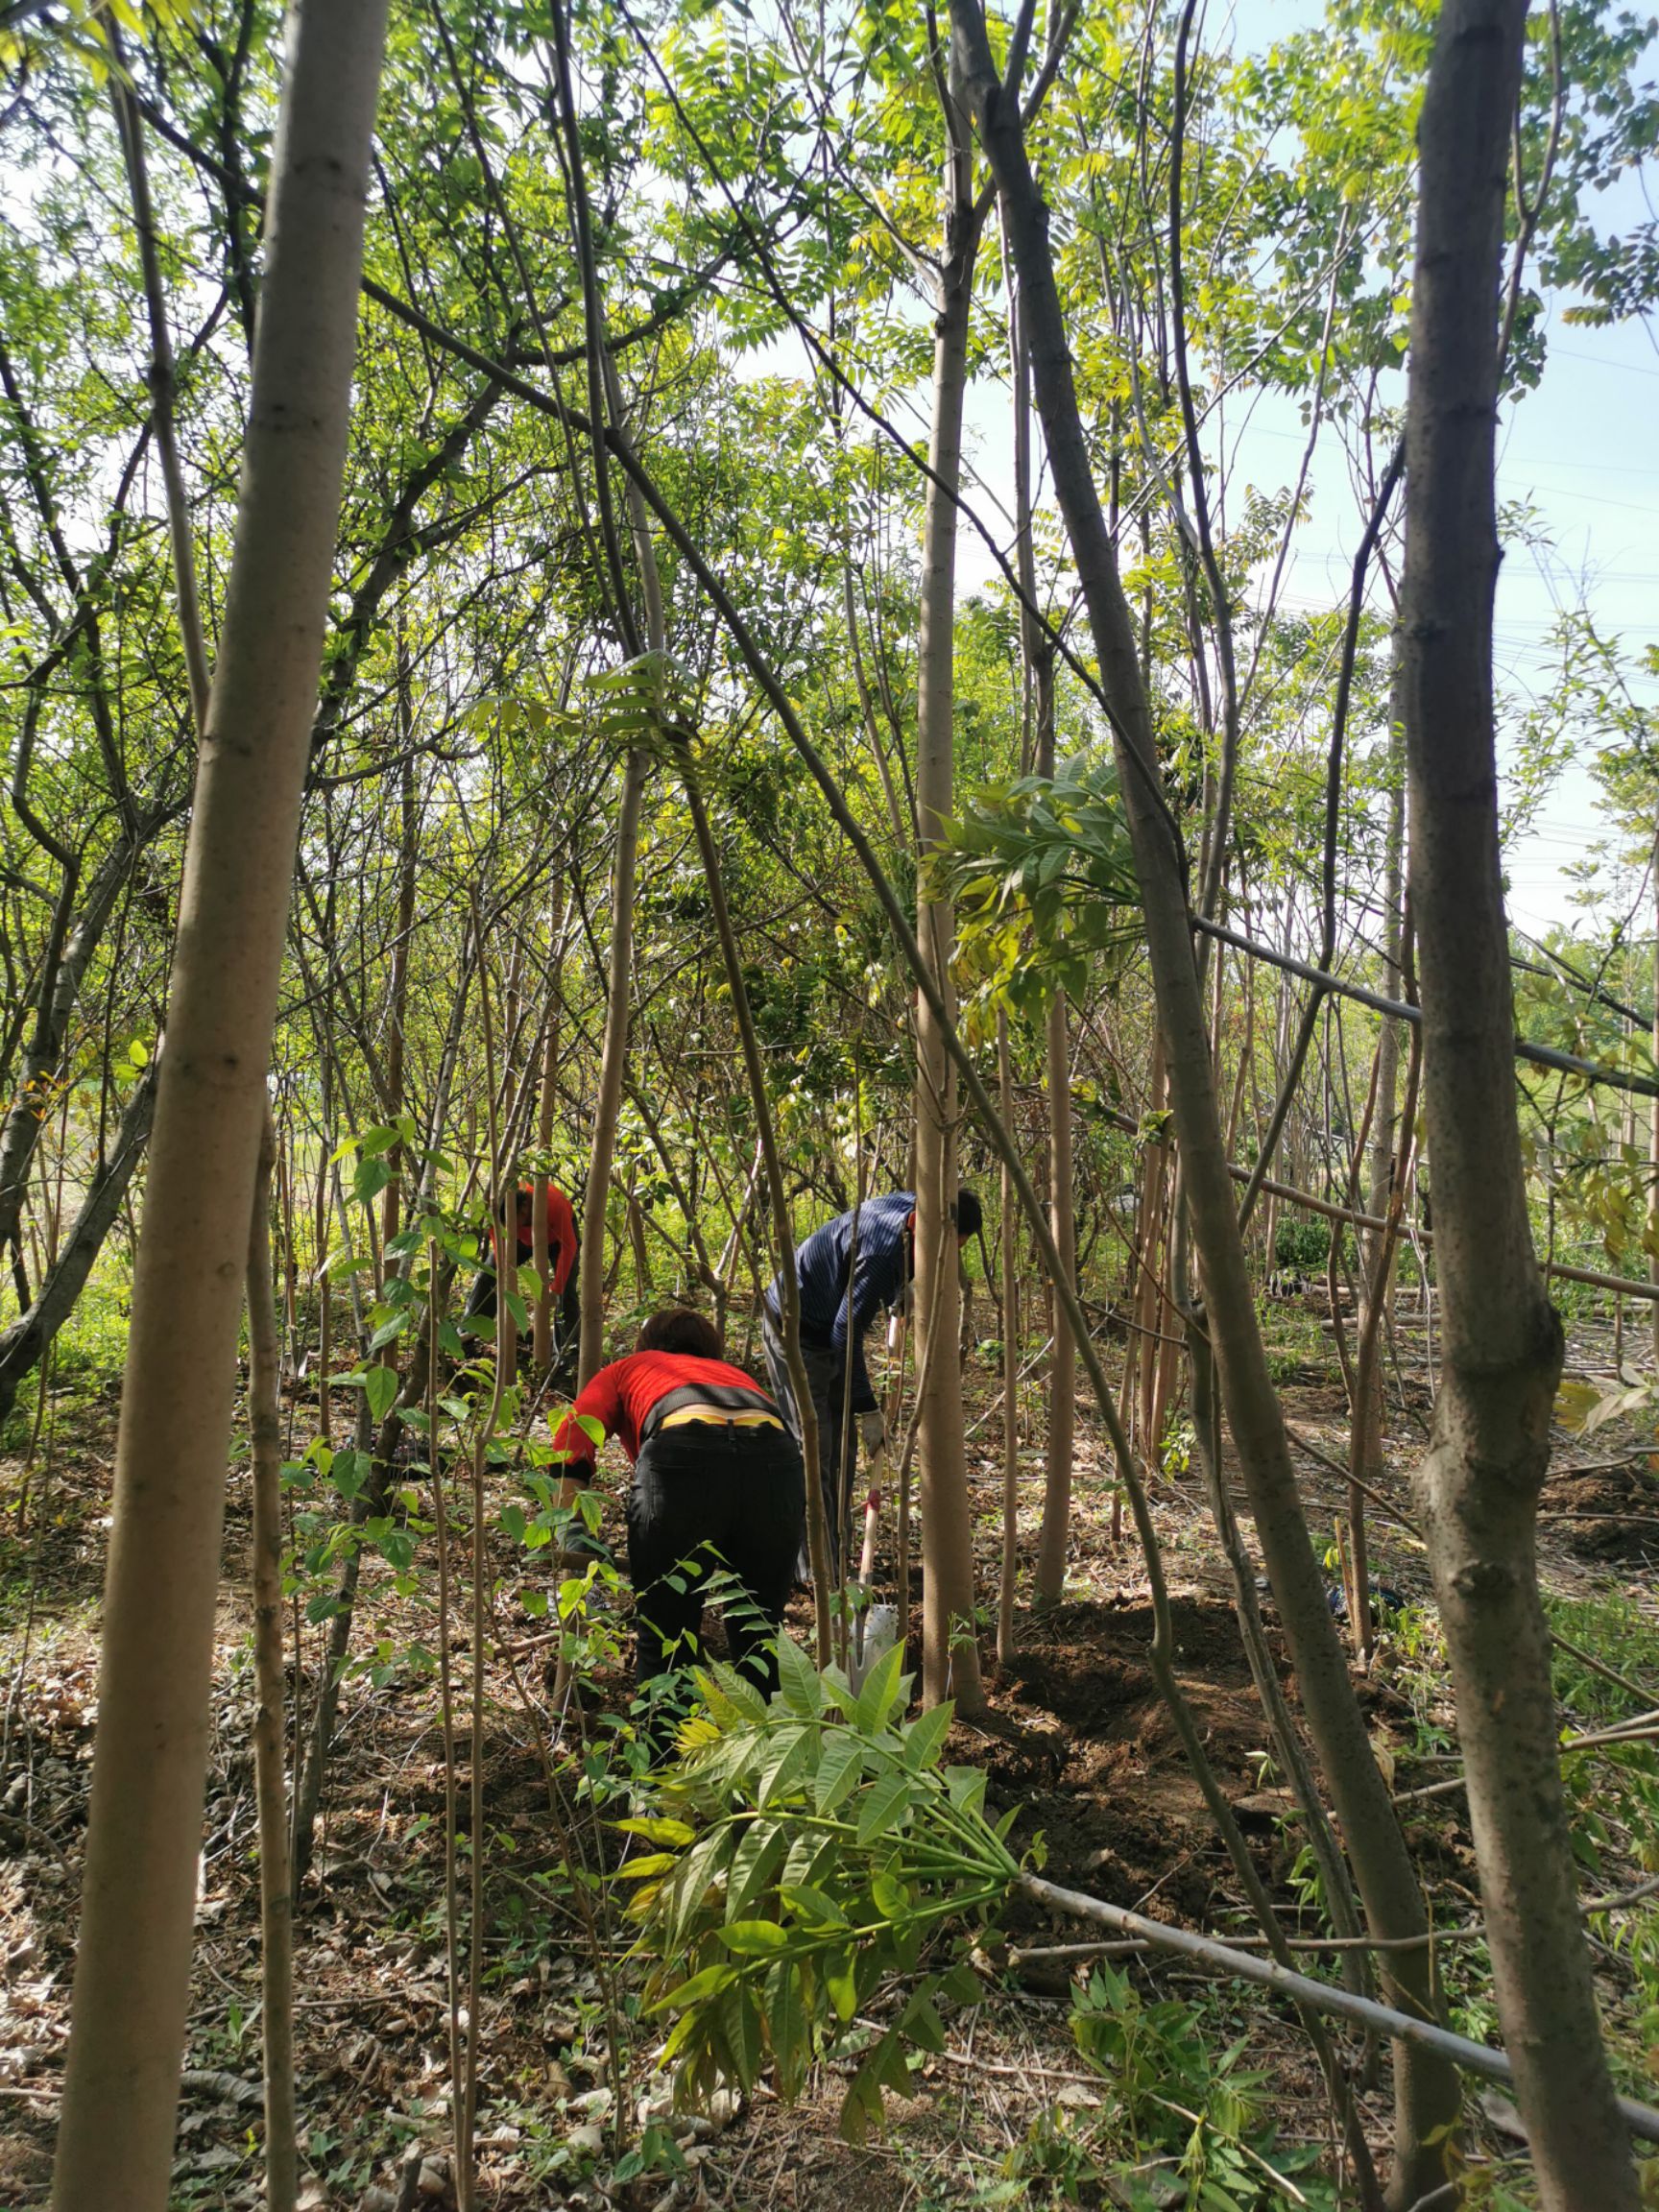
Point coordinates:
[(846, 1276)]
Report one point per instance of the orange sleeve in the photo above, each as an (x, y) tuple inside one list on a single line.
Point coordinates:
[(602, 1400)]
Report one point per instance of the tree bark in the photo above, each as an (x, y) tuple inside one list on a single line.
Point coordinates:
[(1036, 661), (1007, 1650), (1502, 1343), (131, 1987), (1427, 2094), (269, 1733), (949, 1654)]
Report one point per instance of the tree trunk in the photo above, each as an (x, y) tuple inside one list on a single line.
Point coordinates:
[(612, 1067), (132, 1978), (408, 849), (1056, 1526), (1654, 1128), (1036, 659), (949, 1654), (1428, 2097), (270, 1732), (1005, 1645), (26, 1341), (1501, 1340), (542, 1320)]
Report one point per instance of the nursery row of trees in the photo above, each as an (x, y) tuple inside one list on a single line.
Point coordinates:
[(489, 693)]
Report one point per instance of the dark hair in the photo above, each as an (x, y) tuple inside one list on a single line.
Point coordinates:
[(968, 1214), (678, 1329)]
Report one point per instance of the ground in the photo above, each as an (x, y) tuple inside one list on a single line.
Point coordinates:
[(1077, 1738)]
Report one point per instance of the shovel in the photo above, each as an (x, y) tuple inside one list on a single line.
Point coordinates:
[(874, 1627)]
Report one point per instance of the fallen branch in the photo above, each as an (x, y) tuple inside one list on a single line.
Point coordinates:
[(1642, 2120)]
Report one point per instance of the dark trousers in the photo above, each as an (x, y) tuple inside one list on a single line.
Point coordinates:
[(826, 1380), (708, 1495), (566, 1320)]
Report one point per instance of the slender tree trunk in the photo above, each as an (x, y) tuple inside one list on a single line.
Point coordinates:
[(1375, 1251), (25, 1341), (132, 1975), (1480, 1480), (408, 849), (1063, 1364), (542, 1323), (1428, 2097), (612, 1067), (1005, 1646), (270, 1730), (1036, 659), (1654, 1129), (949, 1654)]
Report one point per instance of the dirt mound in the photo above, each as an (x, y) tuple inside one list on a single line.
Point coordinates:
[(1078, 1737), (1607, 1511)]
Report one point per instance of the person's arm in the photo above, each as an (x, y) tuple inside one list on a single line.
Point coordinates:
[(601, 1402), (878, 1278)]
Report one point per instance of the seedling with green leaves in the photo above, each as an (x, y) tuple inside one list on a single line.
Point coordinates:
[(808, 1853)]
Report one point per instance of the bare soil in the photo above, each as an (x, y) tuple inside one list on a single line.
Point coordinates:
[(1076, 1738)]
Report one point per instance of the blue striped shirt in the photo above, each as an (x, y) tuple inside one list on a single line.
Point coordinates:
[(831, 1311)]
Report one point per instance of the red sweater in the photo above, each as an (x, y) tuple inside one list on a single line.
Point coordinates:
[(621, 1397), (561, 1239)]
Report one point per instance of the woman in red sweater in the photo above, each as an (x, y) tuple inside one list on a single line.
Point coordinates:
[(717, 1482)]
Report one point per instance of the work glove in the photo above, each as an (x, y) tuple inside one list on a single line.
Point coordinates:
[(873, 1429)]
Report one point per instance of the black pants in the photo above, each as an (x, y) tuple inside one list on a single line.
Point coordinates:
[(826, 1380), (566, 1320), (708, 1495)]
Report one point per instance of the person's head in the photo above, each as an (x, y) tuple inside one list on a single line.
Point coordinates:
[(967, 1213), (678, 1329), (527, 1205)]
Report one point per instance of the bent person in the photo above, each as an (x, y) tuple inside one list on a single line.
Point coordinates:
[(846, 1274), (564, 1250), (716, 1483)]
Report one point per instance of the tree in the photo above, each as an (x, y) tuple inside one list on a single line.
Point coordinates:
[(1480, 1478), (1427, 2095), (131, 1984)]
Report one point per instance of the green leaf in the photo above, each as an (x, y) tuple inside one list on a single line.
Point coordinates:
[(892, 1897), (924, 1739), (798, 1679), (753, 1938), (883, 1690), (811, 1907), (649, 1862), (790, 1759), (754, 1863), (789, 2029), (653, 1829), (706, 1983), (379, 1388), (840, 1768), (888, 1797), (740, 2023), (841, 1985)]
